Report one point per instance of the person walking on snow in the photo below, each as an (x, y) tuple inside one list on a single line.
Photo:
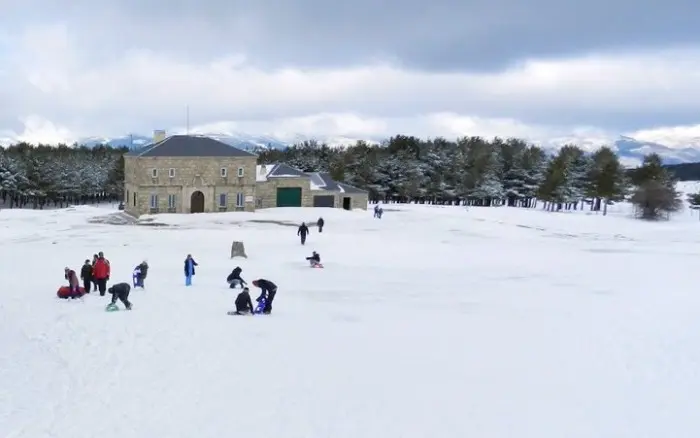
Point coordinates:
[(73, 282), (86, 275), (120, 291), (94, 281), (234, 278), (140, 273), (189, 269), (303, 231), (320, 223), (269, 290), (101, 272), (244, 305)]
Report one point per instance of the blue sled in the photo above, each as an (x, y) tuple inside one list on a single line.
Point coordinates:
[(259, 308)]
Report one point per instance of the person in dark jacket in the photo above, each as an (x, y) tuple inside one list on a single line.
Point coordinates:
[(94, 281), (189, 269), (234, 278), (244, 305), (120, 291), (269, 290), (86, 275), (302, 232), (315, 259), (140, 274), (320, 223)]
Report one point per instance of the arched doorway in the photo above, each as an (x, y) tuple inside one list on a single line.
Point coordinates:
[(197, 202)]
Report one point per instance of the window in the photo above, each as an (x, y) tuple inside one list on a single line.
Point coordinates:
[(171, 201), (134, 199), (240, 172), (154, 173), (171, 173), (240, 199), (154, 201), (223, 172), (222, 199)]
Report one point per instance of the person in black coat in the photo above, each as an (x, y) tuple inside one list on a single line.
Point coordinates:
[(320, 223), (244, 305), (234, 278), (315, 259), (302, 232), (121, 291), (269, 290), (86, 275)]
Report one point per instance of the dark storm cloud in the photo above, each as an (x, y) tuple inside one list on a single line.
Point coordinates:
[(433, 35)]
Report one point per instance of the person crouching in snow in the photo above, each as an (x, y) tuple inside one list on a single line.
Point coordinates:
[(315, 259), (234, 278), (140, 273), (269, 290), (244, 305), (189, 269), (120, 291), (73, 282)]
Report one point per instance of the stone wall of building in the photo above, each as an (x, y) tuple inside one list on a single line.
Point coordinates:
[(266, 192), (189, 175)]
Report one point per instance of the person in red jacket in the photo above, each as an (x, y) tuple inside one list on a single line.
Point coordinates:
[(100, 272)]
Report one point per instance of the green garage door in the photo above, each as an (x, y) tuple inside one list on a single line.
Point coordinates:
[(289, 197)]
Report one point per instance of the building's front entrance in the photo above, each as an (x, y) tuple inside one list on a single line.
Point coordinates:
[(347, 203), (197, 202)]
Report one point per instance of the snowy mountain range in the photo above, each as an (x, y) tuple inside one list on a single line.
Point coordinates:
[(630, 150)]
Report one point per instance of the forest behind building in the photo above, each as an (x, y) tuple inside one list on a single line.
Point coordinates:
[(469, 171)]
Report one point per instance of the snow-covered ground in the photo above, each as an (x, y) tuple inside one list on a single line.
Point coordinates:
[(431, 322)]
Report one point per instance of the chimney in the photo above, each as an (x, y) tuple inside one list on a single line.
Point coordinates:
[(263, 170), (158, 135)]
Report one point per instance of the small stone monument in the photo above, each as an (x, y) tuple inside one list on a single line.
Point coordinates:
[(238, 250)]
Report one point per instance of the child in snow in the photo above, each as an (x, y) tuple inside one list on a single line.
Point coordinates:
[(189, 269), (120, 291), (73, 282), (234, 278), (244, 305), (315, 259), (140, 273), (86, 275)]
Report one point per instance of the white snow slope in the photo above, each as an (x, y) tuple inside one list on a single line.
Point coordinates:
[(431, 322)]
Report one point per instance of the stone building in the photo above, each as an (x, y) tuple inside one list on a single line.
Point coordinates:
[(194, 174)]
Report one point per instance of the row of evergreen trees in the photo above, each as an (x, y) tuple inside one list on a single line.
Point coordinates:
[(478, 172), (61, 175), (471, 171)]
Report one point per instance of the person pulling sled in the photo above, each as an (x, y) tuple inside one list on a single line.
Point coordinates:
[(234, 278), (269, 290), (315, 260), (119, 291)]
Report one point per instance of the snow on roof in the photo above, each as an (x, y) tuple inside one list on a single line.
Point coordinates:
[(262, 171)]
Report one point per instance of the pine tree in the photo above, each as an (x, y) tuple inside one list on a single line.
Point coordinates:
[(655, 194)]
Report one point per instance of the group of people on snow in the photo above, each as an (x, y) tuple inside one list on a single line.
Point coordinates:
[(244, 304), (96, 273)]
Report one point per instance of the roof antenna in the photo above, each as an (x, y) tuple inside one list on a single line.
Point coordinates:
[(188, 120)]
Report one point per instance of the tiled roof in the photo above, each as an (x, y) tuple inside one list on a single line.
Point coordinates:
[(189, 146)]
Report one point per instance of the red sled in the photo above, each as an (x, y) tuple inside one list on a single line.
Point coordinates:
[(65, 292), (317, 265)]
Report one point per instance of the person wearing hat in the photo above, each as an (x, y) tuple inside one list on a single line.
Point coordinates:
[(120, 291), (73, 282)]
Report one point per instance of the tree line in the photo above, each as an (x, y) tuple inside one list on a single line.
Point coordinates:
[(479, 172), (469, 171), (43, 175)]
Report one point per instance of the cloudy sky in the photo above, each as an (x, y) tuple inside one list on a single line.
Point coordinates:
[(546, 70)]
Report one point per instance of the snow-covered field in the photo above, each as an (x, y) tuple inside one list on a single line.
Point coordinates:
[(431, 322)]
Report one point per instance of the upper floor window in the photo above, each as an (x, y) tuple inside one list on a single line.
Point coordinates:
[(154, 173), (223, 172), (240, 172), (171, 173)]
